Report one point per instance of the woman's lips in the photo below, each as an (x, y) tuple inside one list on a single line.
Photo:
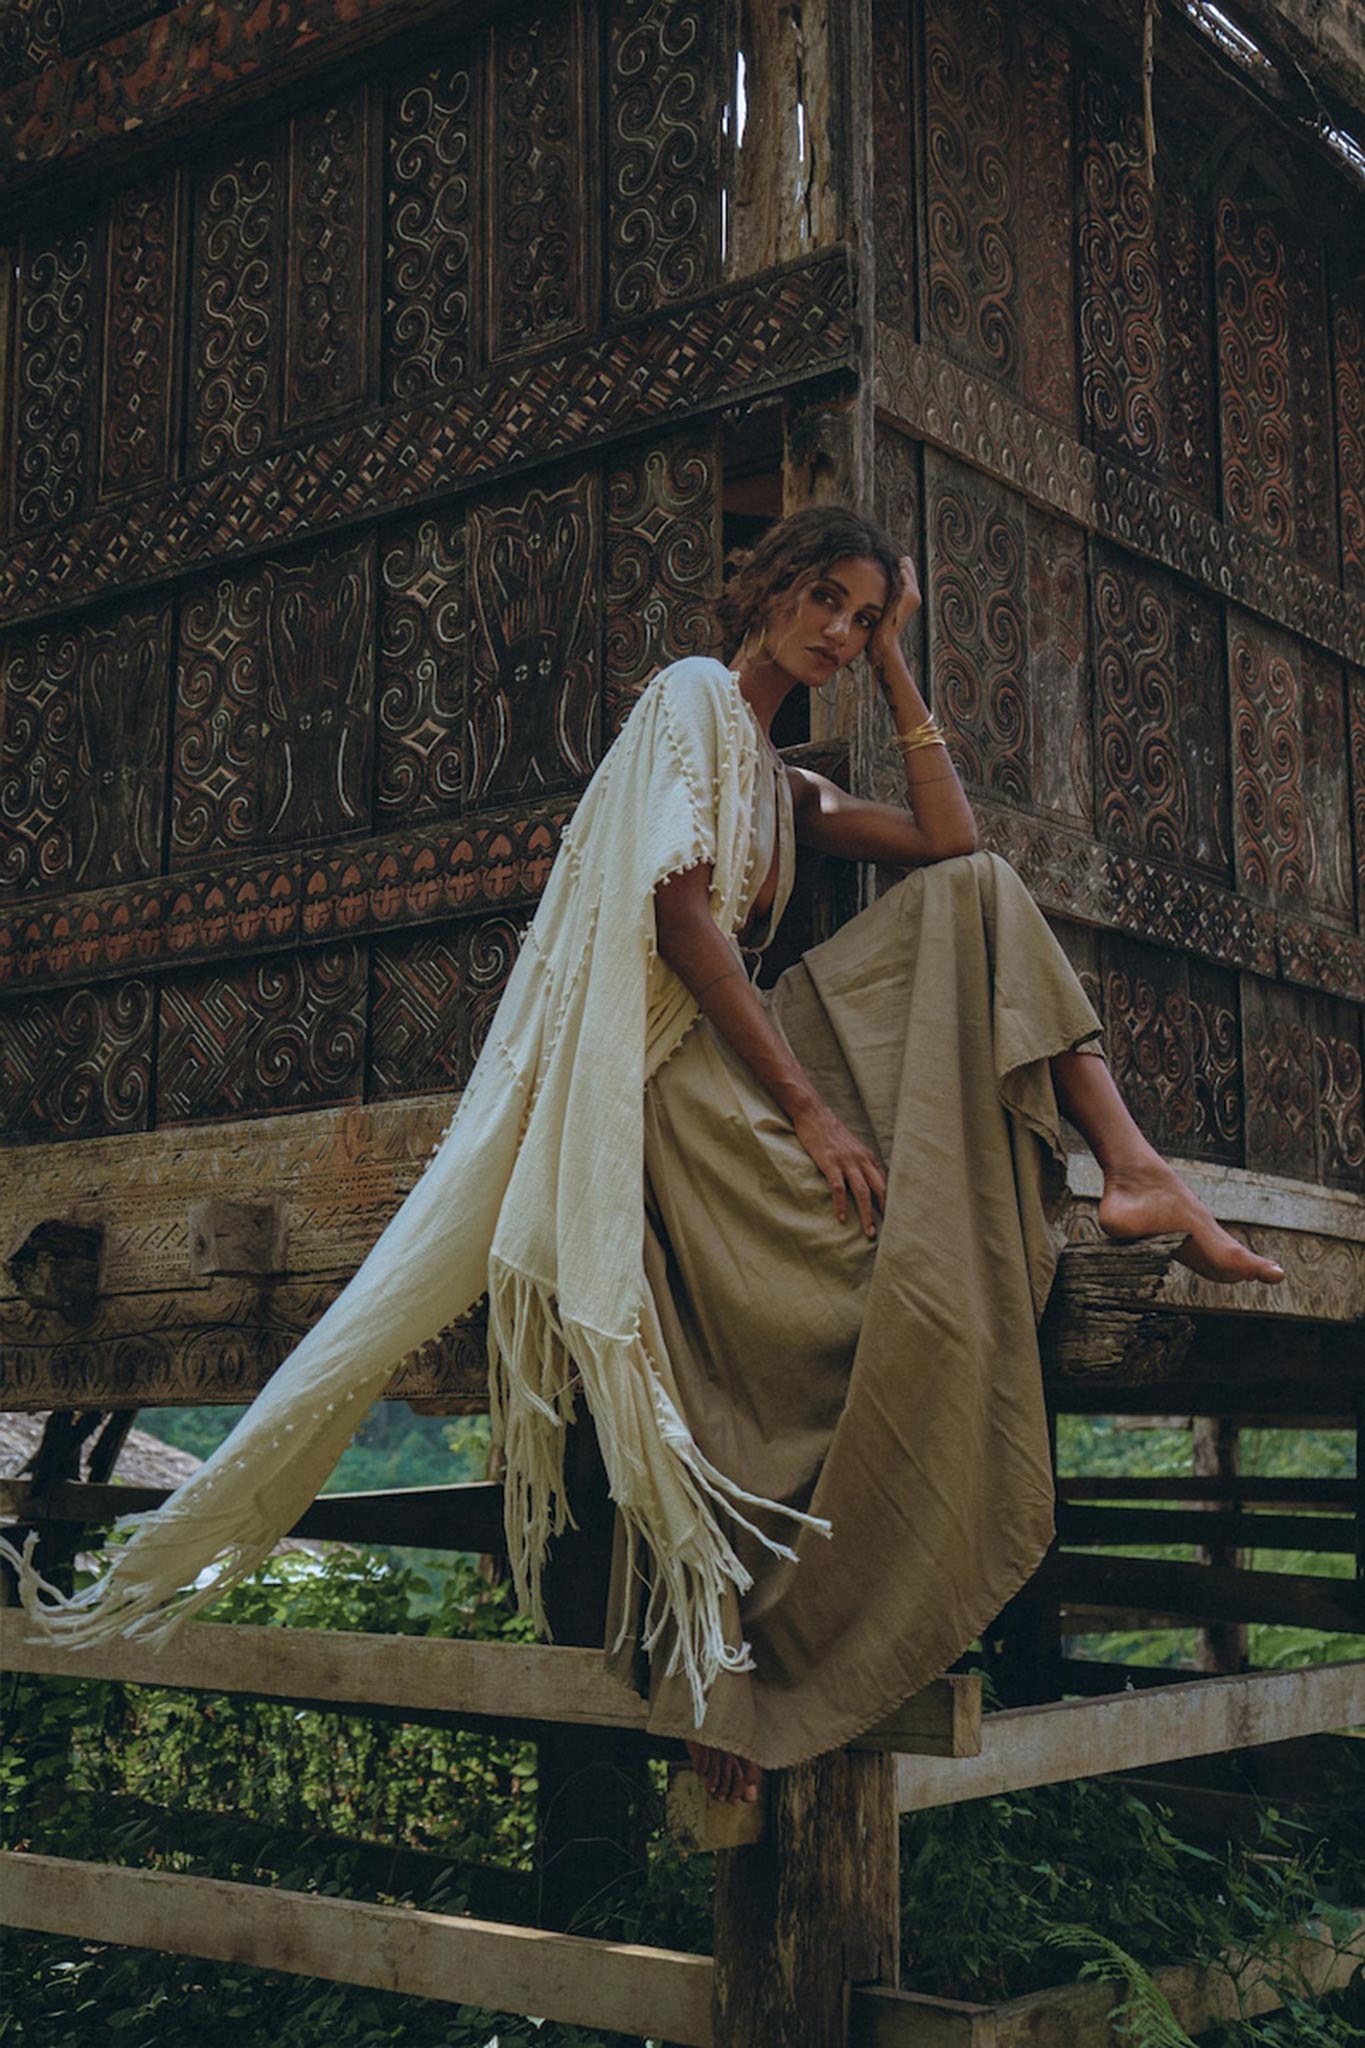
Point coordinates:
[(825, 655)]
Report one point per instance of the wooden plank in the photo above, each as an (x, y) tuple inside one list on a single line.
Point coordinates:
[(563, 1977), (1049, 1745), (1324, 1493), (1078, 2015), (1208, 1592), (516, 1681), (1328, 1534), (467, 1516)]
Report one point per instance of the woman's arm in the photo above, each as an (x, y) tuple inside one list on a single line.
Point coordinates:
[(939, 823), (692, 944)]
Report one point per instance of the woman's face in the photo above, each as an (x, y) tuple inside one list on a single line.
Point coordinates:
[(834, 614)]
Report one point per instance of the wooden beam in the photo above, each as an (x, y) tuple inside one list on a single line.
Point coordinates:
[(467, 1516), (1323, 1493), (1207, 1592), (1050, 1745), (1332, 1535), (512, 1681), (1234, 1986), (614, 1985)]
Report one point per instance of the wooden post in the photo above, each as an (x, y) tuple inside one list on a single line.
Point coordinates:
[(1216, 1452), (592, 1795), (1023, 1645), (812, 1909)]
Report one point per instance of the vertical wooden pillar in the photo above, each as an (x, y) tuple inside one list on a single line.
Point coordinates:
[(1023, 1645), (592, 1799), (1216, 1453), (812, 1909)]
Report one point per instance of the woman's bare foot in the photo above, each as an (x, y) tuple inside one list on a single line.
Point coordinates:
[(725, 1775), (1149, 1199)]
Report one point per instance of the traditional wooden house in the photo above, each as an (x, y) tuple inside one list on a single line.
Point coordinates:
[(383, 381)]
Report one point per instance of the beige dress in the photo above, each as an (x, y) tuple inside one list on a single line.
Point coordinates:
[(890, 1385)]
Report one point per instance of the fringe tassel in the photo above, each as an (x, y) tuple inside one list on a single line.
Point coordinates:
[(665, 1490)]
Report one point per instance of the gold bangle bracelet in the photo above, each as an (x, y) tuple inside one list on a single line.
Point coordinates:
[(929, 734)]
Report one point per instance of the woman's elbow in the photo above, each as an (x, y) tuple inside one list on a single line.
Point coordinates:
[(964, 839)]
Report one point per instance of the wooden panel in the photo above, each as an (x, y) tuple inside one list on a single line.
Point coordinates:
[(538, 239), (423, 654), (234, 334), (1348, 356), (428, 226), (1290, 820), (391, 1948), (998, 154), (273, 710), (662, 562), (82, 751), (1161, 715), (141, 329), (1173, 1043), (327, 267), (54, 375), (534, 718), (666, 64), (275, 1034), (77, 1064), (434, 998), (1282, 1110), (894, 215)]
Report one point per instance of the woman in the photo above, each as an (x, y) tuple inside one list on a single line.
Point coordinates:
[(765, 1293), (649, 1176)]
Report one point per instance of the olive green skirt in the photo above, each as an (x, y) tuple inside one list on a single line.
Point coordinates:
[(890, 1385)]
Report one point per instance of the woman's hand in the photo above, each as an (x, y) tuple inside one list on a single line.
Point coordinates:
[(905, 602), (844, 1160)]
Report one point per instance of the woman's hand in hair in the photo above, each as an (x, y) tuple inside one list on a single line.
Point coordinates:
[(905, 601)]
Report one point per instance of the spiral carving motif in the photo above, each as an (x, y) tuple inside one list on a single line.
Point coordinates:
[(536, 173), (139, 323), (286, 1032), (52, 371), (1150, 1039), (662, 221), (326, 305), (233, 298), (1123, 339), (1216, 1060), (978, 627), (427, 228), (77, 1064), (1271, 834), (1281, 1082), (662, 561), (1045, 220), (972, 198), (422, 654), (1253, 330), (893, 198)]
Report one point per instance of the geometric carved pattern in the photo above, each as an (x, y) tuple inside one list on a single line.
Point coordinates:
[(662, 560), (1162, 714), (1059, 668), (434, 997), (792, 324), (537, 173), (286, 1032), (1173, 1043), (662, 217), (1289, 778), (327, 297), (421, 666), (999, 197), (53, 370), (76, 1064), (140, 306), (978, 627), (926, 394), (274, 704), (1281, 1084), (270, 901), (1337, 1046), (82, 751), (534, 684), (427, 226), (233, 350)]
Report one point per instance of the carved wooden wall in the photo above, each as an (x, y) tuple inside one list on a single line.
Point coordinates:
[(1127, 426)]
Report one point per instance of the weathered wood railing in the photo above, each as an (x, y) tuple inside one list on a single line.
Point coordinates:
[(795, 1932)]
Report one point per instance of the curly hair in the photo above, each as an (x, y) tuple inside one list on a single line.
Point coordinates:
[(766, 579)]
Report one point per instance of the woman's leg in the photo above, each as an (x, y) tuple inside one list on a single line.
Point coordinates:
[(1144, 1196)]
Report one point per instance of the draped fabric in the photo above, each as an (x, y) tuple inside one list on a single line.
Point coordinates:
[(534, 1197)]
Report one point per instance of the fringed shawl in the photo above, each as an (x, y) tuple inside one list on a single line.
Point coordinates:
[(534, 1196)]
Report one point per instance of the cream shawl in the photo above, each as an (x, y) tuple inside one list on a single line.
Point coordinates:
[(534, 1196)]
